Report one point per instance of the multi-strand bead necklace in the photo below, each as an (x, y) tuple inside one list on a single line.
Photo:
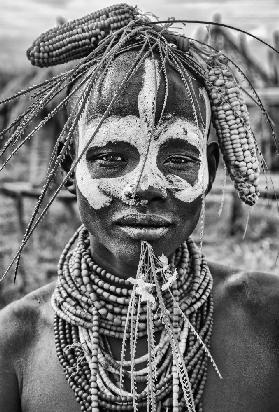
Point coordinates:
[(91, 307)]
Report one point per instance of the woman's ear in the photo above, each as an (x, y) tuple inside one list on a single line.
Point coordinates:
[(213, 161), (70, 184), (66, 164)]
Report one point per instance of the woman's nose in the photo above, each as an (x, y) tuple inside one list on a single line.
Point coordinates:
[(147, 188), (152, 183), (150, 193)]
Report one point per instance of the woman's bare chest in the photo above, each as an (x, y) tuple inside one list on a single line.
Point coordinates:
[(44, 386)]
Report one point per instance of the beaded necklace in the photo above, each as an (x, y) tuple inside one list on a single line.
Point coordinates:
[(92, 305)]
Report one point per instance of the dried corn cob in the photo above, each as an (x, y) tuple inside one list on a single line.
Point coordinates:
[(78, 38), (231, 121)]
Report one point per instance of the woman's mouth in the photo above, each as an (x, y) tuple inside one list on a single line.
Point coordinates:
[(144, 227)]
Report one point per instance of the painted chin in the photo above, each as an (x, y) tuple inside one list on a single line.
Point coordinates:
[(147, 233)]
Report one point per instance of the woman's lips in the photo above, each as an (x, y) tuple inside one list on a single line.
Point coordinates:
[(144, 233), (144, 227)]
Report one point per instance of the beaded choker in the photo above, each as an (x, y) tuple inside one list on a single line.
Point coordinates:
[(169, 305)]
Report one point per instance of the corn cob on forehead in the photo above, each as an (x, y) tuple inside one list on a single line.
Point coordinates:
[(79, 37), (187, 104)]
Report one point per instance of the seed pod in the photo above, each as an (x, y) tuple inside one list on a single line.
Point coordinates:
[(78, 38), (231, 120)]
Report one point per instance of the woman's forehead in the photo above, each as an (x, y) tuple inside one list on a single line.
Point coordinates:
[(130, 129), (147, 91)]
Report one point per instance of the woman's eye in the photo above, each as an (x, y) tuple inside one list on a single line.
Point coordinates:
[(181, 160), (111, 158)]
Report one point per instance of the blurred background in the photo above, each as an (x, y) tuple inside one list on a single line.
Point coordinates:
[(233, 234)]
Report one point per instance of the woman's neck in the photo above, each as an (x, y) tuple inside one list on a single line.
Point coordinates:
[(111, 263)]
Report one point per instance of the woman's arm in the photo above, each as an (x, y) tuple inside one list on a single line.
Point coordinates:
[(9, 343)]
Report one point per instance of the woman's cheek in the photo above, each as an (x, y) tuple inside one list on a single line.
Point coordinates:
[(100, 192), (186, 192), (89, 187)]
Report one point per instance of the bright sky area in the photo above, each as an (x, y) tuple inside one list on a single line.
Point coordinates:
[(21, 21)]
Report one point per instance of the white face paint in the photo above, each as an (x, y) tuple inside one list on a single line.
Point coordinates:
[(136, 131)]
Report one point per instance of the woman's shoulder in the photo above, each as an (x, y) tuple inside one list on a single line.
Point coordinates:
[(22, 319), (256, 293)]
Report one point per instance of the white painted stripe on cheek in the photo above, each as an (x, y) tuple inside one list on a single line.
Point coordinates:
[(88, 186), (188, 193)]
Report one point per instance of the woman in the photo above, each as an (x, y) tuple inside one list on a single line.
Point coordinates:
[(133, 305)]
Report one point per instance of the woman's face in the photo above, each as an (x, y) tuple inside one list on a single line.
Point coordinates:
[(161, 165)]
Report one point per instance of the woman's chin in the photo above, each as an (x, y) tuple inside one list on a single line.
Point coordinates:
[(129, 249)]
